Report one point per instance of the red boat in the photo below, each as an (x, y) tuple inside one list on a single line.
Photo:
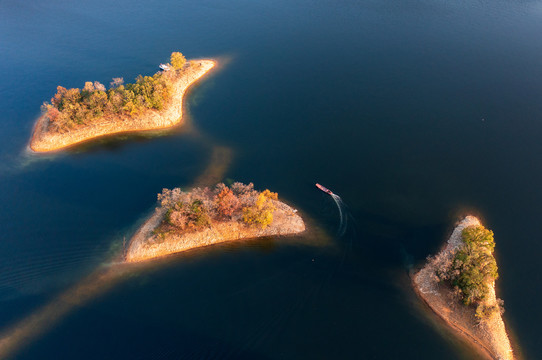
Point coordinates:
[(324, 189)]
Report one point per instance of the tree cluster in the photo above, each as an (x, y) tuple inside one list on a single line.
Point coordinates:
[(198, 208), (70, 108), (472, 268)]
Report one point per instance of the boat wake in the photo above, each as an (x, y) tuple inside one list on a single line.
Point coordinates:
[(342, 209), (343, 224)]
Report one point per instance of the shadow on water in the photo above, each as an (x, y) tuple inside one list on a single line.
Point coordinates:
[(118, 142), (26, 159)]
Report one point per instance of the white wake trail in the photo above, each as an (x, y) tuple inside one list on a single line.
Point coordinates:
[(343, 219)]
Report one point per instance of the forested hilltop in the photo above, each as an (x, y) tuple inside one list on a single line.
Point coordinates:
[(72, 108)]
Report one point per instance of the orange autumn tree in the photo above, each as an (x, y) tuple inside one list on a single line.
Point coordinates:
[(226, 202)]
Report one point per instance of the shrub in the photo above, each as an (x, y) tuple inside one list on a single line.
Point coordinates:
[(484, 311)]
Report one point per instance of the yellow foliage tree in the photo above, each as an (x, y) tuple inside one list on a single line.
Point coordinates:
[(177, 60), (261, 213)]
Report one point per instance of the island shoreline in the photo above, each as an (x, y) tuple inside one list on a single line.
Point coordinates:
[(458, 330), (137, 251), (490, 338), (151, 120)]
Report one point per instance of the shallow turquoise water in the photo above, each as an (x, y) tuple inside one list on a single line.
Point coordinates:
[(415, 113)]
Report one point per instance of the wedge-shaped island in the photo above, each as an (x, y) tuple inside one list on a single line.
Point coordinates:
[(151, 103), (206, 216), (458, 284)]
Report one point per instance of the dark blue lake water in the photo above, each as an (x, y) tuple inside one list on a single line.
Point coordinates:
[(414, 112)]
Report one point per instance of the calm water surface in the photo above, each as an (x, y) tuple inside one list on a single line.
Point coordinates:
[(415, 112)]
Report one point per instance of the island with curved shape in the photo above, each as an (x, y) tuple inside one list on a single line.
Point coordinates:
[(151, 103), (458, 284), (206, 216)]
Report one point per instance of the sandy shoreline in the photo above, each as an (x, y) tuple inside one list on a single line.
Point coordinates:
[(41, 141), (460, 331), (286, 222), (490, 337)]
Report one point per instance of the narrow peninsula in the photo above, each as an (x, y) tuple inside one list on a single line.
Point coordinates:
[(458, 284), (151, 103), (206, 216)]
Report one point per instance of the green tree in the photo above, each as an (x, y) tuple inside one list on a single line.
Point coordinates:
[(474, 266), (198, 215)]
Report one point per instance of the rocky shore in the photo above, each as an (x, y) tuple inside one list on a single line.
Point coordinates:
[(488, 335), (44, 141)]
